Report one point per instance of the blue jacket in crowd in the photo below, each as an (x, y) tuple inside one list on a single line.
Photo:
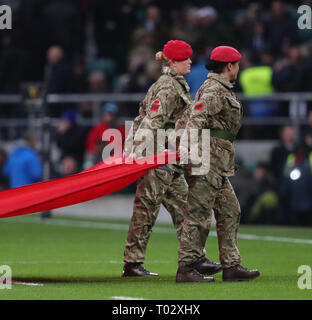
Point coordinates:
[(23, 167)]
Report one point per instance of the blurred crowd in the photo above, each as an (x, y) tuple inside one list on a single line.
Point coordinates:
[(274, 192), (279, 191), (96, 46)]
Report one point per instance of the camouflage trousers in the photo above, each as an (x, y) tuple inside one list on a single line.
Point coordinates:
[(156, 187), (208, 192)]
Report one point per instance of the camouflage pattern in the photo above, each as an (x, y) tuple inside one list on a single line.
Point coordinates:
[(215, 107), (172, 91), (158, 186)]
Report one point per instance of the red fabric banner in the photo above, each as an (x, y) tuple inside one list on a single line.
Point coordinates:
[(95, 182)]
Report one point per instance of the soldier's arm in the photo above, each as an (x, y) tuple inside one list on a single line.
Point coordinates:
[(161, 109), (175, 136), (203, 111), (158, 113)]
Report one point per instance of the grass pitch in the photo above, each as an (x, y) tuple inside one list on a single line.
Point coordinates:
[(69, 258)]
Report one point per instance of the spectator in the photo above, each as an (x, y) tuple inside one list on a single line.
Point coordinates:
[(57, 72), (185, 26), (23, 166), (57, 76), (97, 83), (246, 27), (307, 128), (297, 186), (78, 82), (281, 31), (303, 79), (279, 154), (114, 22), (153, 22), (95, 143), (152, 72), (262, 202), (256, 42), (286, 71), (257, 81), (70, 139), (64, 25), (198, 74), (4, 182), (212, 30)]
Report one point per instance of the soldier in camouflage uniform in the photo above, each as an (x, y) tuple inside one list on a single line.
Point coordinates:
[(164, 103), (216, 108)]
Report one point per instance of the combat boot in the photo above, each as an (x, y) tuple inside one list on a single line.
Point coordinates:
[(239, 273), (206, 266), (136, 270), (190, 274)]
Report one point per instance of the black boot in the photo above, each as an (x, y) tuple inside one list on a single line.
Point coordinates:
[(136, 270), (239, 273), (189, 274), (206, 266)]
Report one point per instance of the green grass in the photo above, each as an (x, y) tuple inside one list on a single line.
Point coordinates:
[(85, 262)]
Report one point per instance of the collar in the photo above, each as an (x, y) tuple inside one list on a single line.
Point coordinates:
[(222, 80), (170, 72)]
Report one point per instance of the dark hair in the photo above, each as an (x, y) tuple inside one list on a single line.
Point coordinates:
[(216, 66), (263, 165)]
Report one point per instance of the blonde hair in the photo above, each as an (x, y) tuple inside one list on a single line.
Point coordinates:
[(159, 56)]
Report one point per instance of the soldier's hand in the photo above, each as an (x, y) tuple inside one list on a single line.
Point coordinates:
[(132, 156), (183, 153)]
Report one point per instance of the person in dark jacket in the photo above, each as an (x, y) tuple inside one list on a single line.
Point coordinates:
[(297, 185), (70, 139), (280, 153)]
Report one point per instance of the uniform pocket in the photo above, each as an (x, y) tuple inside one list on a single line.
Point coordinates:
[(214, 179), (234, 103), (162, 175)]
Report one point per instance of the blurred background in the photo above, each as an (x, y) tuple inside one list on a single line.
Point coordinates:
[(71, 69)]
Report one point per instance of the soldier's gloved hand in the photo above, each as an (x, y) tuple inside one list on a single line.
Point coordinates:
[(129, 155), (183, 153)]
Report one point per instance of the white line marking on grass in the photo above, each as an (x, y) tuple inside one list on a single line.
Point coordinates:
[(32, 284), (268, 238), (125, 298), (116, 226)]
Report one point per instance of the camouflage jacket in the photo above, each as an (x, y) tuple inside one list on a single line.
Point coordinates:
[(216, 107), (163, 105)]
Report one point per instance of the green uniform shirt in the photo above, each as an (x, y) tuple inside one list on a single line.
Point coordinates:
[(217, 107), (164, 104)]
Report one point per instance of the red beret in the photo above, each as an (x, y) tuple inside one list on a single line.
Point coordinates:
[(225, 54), (177, 50)]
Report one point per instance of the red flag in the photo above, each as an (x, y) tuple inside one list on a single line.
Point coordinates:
[(95, 182)]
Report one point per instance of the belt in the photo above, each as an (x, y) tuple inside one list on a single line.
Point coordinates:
[(222, 134)]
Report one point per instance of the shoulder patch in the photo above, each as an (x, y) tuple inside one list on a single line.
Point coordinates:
[(155, 105), (198, 106)]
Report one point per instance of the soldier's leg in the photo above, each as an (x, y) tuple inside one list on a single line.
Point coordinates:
[(149, 195), (197, 220), (175, 201), (227, 214)]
